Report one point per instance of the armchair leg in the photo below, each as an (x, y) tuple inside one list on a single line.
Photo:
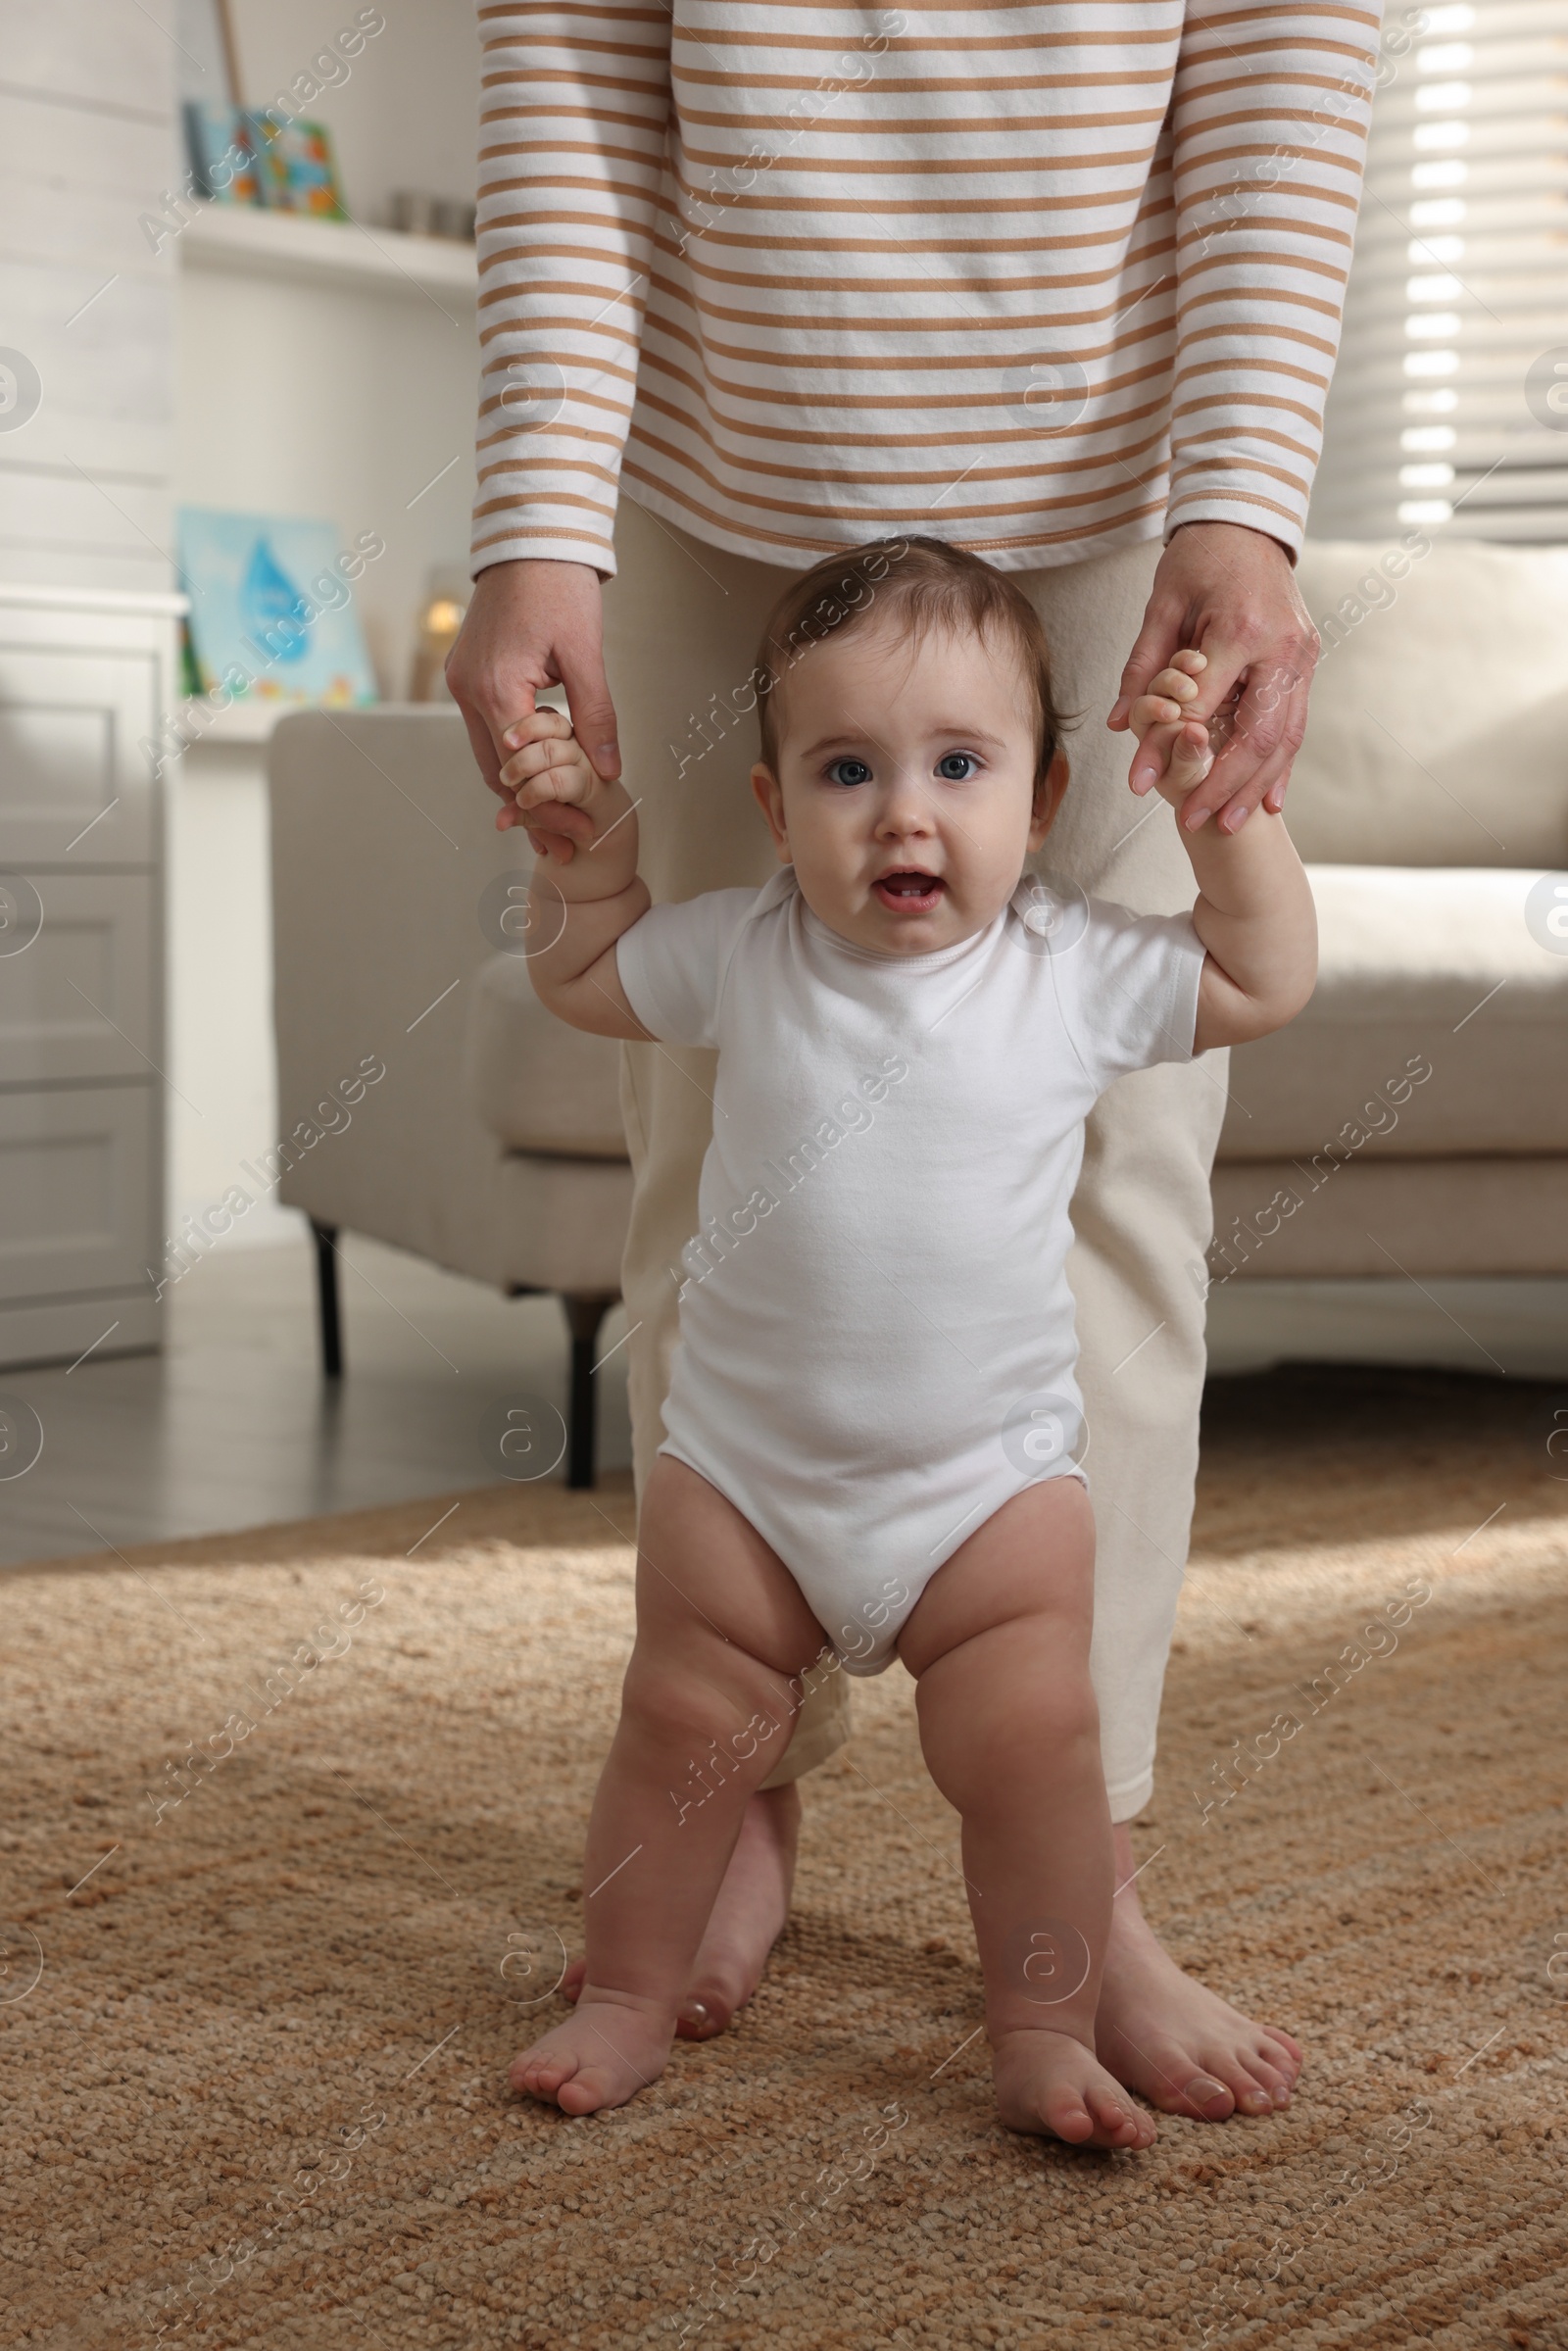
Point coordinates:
[(585, 1317), (326, 1293)]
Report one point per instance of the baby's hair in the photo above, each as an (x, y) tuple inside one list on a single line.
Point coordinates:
[(922, 584)]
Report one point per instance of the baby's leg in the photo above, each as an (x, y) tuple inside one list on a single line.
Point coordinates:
[(999, 1644), (722, 1629)]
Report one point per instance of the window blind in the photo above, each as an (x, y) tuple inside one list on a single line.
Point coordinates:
[(1449, 405)]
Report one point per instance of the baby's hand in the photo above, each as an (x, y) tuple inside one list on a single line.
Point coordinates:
[(1175, 753), (551, 783)]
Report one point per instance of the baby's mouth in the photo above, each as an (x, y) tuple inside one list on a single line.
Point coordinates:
[(909, 893)]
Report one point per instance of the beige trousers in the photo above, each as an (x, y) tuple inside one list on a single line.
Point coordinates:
[(682, 621)]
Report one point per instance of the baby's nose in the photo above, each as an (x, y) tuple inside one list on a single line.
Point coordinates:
[(908, 806)]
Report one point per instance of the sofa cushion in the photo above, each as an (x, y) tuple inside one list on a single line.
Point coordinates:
[(537, 1083), (1439, 715), (1389, 1221), (563, 1223), (1421, 969)]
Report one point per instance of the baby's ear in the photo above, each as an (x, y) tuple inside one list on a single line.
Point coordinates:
[(1049, 791), (770, 800)]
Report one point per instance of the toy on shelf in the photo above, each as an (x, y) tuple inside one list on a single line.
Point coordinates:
[(296, 168)]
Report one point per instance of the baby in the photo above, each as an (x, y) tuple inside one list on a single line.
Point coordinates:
[(874, 1438)]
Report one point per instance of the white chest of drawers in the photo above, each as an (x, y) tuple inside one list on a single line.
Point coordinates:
[(85, 677)]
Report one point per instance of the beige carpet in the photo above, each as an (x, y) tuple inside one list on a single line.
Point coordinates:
[(256, 2094)]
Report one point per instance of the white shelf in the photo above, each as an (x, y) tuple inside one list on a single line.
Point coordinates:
[(240, 723), (266, 244), (252, 719), (152, 604)]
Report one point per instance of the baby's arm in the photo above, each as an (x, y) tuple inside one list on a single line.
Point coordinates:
[(586, 889), (1255, 911)]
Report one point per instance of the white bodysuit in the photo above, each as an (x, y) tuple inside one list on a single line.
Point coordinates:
[(877, 1331)]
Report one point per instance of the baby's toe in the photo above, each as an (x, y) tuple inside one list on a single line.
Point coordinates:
[(585, 2093), (1116, 2124), (1067, 2114), (540, 2072)]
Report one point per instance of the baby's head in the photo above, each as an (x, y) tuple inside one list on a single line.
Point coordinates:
[(911, 754)]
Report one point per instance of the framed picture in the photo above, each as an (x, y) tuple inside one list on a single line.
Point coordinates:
[(272, 615), (209, 60), (223, 153)]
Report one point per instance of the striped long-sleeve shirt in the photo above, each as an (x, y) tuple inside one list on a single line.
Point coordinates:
[(1041, 280)]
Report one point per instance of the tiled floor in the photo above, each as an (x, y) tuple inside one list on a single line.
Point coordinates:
[(232, 1425)]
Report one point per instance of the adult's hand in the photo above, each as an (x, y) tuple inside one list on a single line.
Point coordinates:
[(531, 625), (1230, 592)]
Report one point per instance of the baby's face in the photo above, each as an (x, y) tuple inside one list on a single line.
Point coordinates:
[(905, 791)]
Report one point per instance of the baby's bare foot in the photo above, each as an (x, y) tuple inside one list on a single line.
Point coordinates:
[(749, 1916), (603, 2054), (1048, 2082)]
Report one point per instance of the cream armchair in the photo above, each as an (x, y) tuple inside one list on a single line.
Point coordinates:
[(492, 1145)]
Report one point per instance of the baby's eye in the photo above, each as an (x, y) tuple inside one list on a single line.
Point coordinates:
[(956, 766), (850, 771)]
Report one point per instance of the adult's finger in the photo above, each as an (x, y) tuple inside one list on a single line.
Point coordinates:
[(487, 754), (1160, 637), (581, 662), (1259, 745)]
